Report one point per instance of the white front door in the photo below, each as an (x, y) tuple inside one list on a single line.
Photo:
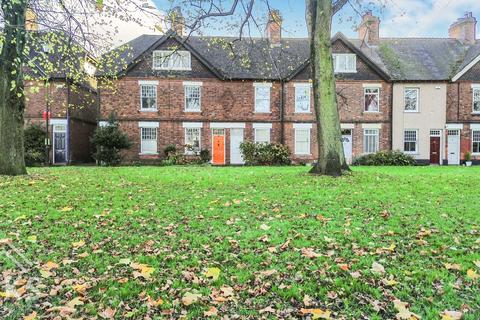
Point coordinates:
[(236, 138), (453, 147), (347, 145)]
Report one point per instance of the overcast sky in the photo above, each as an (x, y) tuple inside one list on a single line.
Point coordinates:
[(400, 18)]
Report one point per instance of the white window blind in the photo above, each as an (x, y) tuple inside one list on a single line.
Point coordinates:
[(344, 63), (262, 98), (148, 140), (370, 140), (171, 60), (302, 141)]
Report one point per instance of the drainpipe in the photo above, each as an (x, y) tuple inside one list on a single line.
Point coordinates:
[(458, 101), (47, 120), (282, 112), (391, 116), (67, 138)]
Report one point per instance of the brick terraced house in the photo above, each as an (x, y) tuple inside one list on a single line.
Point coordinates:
[(413, 95), (57, 102)]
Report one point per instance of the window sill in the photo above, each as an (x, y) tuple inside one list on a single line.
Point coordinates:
[(148, 110), (411, 153), (148, 154), (168, 69), (372, 112), (193, 111), (413, 111), (303, 154), (475, 113), (262, 112), (303, 112)]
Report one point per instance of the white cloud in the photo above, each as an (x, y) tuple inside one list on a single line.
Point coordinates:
[(420, 18)]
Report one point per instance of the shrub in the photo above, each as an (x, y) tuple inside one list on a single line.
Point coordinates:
[(205, 156), (34, 145), (468, 156), (265, 154), (109, 141), (385, 158), (169, 150)]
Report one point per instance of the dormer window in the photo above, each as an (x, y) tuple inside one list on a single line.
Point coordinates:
[(172, 60), (344, 63)]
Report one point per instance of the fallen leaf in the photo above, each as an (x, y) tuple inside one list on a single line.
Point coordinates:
[(66, 209), (403, 312), (31, 316), (264, 227), (50, 265), (211, 312), (477, 263), (108, 313), (307, 301), (451, 315), (5, 241), (78, 244), (83, 255), (80, 288), (32, 238), (355, 274), (143, 270), (453, 266), (344, 267), (75, 302), (154, 303), (377, 268), (310, 253), (190, 298), (268, 309), (212, 273), (472, 274), (316, 313)]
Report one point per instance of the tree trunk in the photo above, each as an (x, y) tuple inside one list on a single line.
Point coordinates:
[(331, 158), (12, 98)]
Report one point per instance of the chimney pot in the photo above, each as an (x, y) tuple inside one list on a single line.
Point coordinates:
[(274, 27)]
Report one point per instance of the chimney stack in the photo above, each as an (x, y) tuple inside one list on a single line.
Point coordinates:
[(177, 21), (369, 29), (274, 27), (464, 29)]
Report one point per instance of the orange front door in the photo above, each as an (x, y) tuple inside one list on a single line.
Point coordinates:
[(218, 149)]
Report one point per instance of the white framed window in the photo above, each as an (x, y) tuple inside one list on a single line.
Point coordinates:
[(302, 97), (411, 99), (410, 141), (302, 139), (262, 97), (371, 138), (371, 99), (262, 135), (193, 98), (476, 99), (148, 140), (148, 97), (476, 142), (172, 60), (344, 63), (193, 140)]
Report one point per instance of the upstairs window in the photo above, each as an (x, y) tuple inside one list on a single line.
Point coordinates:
[(476, 99), (410, 141), (372, 98), (171, 60), (262, 97), (302, 98), (193, 98), (411, 99), (148, 94), (476, 141), (344, 63)]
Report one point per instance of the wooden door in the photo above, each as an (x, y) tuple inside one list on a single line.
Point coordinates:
[(434, 150), (218, 148)]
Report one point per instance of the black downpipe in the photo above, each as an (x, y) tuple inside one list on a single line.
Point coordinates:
[(391, 116), (282, 113)]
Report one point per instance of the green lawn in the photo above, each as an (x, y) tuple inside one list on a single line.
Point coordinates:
[(281, 239)]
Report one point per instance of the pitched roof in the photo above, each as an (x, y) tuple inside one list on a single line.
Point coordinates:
[(399, 59)]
